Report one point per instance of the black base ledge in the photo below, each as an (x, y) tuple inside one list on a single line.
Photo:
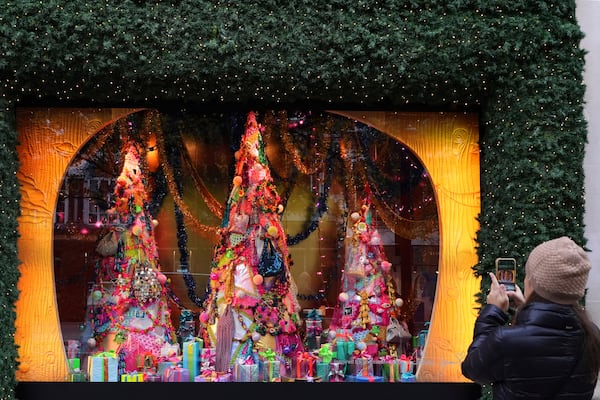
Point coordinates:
[(247, 391)]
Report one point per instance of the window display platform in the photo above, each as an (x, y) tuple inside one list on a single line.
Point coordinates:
[(158, 390)]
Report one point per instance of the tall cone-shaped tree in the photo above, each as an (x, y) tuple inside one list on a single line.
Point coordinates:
[(367, 298), (251, 303), (129, 310)]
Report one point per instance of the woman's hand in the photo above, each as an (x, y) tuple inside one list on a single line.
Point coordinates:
[(516, 298), (498, 294)]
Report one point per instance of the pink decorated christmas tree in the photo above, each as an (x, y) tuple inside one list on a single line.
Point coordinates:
[(251, 305), (128, 303), (367, 298)]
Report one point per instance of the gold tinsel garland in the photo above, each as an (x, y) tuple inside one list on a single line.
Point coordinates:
[(202, 229), (213, 204), (355, 173), (323, 147)]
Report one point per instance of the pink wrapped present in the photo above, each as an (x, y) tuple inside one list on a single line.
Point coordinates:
[(206, 376), (208, 358), (176, 374)]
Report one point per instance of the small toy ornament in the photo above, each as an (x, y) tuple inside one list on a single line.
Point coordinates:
[(97, 295)]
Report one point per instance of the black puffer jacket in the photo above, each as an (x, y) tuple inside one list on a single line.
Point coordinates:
[(530, 360)]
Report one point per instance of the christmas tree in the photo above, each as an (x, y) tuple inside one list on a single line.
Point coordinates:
[(367, 298), (128, 302), (251, 304)]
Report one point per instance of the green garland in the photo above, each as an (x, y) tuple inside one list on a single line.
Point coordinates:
[(519, 64)]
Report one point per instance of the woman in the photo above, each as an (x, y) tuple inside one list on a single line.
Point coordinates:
[(552, 350)]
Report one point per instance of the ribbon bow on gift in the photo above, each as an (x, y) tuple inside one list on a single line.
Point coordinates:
[(336, 372), (325, 353), (310, 362), (268, 354), (109, 353)]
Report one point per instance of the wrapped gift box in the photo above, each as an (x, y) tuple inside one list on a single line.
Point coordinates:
[(191, 357), (164, 365), (245, 372), (408, 377), (133, 377), (224, 377), (269, 370), (208, 358), (206, 376), (336, 371), (363, 366), (391, 371), (77, 376), (406, 364), (103, 367), (323, 369), (176, 374), (371, 378), (152, 377), (344, 349), (304, 365)]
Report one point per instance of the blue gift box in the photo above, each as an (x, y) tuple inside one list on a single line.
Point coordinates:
[(103, 367), (245, 372), (191, 357)]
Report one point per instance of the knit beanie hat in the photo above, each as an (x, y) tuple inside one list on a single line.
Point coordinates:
[(558, 270)]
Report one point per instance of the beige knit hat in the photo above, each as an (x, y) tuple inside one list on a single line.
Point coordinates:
[(558, 270)]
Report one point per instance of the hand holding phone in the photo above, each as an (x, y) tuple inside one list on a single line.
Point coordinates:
[(506, 272)]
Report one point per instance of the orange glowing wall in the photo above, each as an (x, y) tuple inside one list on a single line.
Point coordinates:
[(446, 143)]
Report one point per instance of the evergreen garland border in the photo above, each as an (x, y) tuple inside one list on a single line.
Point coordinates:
[(518, 64)]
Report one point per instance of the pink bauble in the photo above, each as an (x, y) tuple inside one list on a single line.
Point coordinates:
[(385, 266), (258, 279), (214, 276), (343, 297), (204, 317), (162, 278)]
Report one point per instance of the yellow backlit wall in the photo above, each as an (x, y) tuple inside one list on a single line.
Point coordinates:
[(446, 143)]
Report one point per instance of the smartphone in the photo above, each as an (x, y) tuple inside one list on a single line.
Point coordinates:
[(506, 272)]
